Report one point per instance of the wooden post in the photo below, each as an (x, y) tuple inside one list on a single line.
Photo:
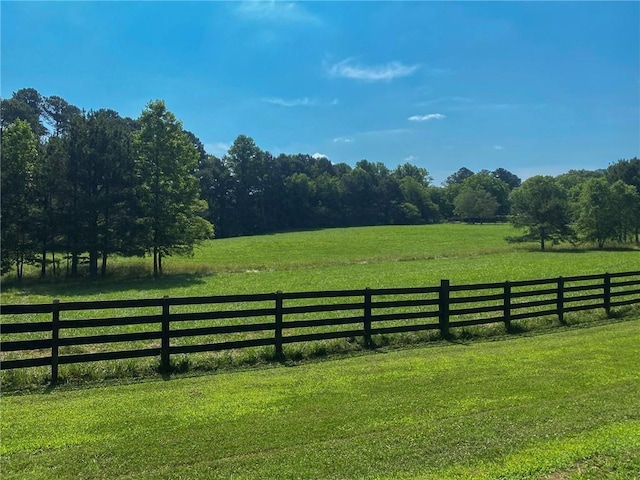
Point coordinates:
[(278, 327), (560, 301), (443, 302), (507, 306), (607, 293), (367, 318), (165, 356), (55, 337)]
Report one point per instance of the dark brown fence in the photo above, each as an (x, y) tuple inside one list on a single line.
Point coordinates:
[(275, 319)]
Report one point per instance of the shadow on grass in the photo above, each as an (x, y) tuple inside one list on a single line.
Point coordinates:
[(580, 249), (119, 279)]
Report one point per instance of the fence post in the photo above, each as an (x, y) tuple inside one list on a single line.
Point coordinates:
[(367, 318), (55, 337), (607, 293), (561, 300), (507, 306), (443, 303), (165, 358), (278, 327)]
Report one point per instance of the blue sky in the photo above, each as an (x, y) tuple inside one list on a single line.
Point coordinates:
[(534, 87)]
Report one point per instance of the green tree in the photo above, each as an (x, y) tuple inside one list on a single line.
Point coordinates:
[(419, 196), (626, 200), (596, 217), (51, 188), (458, 177), (25, 104), (79, 194), (169, 190), (217, 189), (19, 164), (627, 171), (606, 211), (475, 205), (486, 181), (511, 179), (245, 161), (540, 206), (419, 174), (110, 185), (452, 188), (58, 113)]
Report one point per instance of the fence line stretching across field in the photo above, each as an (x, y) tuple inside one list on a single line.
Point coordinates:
[(447, 305)]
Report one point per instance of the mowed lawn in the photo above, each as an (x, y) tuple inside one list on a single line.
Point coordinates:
[(343, 258), (560, 405)]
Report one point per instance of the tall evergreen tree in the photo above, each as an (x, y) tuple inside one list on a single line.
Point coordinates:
[(169, 190), (245, 161)]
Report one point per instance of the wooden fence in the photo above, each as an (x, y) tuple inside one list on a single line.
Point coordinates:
[(276, 319)]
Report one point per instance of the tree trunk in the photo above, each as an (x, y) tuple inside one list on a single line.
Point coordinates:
[(74, 263), (93, 263), (103, 269), (155, 261), (43, 264), (160, 262)]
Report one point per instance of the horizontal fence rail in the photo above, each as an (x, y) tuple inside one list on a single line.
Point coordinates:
[(228, 322)]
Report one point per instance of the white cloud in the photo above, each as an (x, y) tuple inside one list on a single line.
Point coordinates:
[(218, 149), (389, 71), (342, 140), (410, 158), (296, 102), (299, 102), (319, 155), (427, 117), (276, 11), (498, 147)]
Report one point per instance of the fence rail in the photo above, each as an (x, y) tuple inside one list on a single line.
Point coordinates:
[(286, 317)]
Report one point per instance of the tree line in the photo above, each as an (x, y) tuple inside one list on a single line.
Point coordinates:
[(78, 187)]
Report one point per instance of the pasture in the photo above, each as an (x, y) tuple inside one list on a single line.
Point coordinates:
[(350, 258), (378, 257), (548, 403), (559, 405)]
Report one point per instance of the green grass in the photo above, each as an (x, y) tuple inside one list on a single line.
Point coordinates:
[(378, 257), (559, 405)]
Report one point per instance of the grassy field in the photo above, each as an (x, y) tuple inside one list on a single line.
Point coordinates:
[(378, 257), (554, 406)]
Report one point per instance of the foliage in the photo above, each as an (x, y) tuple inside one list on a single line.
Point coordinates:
[(626, 170), (19, 167), (475, 205), (168, 192), (607, 211), (487, 182), (541, 207), (92, 196), (25, 104)]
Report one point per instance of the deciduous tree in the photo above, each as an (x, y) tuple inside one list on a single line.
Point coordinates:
[(540, 206), (19, 164)]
